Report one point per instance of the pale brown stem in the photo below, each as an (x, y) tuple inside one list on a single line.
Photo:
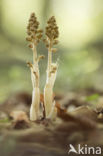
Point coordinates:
[(34, 54), (35, 66), (49, 60), (34, 110)]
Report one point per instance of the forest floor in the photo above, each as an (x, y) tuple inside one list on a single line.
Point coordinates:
[(79, 121)]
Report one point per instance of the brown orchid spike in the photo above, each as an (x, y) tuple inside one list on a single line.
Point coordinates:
[(52, 34), (34, 37)]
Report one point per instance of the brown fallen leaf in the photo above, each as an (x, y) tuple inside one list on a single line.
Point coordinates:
[(78, 117), (85, 111), (19, 115), (20, 120), (19, 101)]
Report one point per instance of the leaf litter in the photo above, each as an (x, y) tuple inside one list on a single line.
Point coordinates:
[(81, 125)]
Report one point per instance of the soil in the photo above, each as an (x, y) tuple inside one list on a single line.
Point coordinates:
[(79, 121)]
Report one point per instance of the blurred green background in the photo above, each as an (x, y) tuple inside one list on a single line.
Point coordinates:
[(80, 50)]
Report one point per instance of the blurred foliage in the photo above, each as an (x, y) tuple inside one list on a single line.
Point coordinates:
[(92, 97), (79, 51), (6, 120)]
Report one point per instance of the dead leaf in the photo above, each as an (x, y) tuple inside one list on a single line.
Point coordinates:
[(20, 120)]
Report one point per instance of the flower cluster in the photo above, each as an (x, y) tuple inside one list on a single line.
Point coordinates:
[(52, 34), (33, 31), (52, 29)]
